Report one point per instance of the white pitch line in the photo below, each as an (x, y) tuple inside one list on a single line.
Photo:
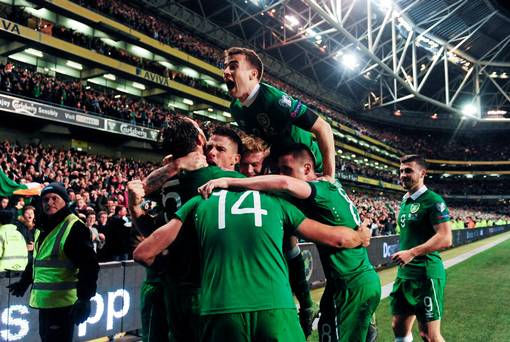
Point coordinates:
[(386, 289)]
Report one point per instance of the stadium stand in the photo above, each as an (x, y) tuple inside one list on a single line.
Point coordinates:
[(367, 157)]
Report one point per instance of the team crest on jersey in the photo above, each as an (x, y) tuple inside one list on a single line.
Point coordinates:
[(440, 206), (414, 208), (285, 101), (265, 123)]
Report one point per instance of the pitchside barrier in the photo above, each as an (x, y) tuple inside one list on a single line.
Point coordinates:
[(116, 305)]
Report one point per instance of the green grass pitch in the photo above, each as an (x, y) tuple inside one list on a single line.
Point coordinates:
[(476, 300)]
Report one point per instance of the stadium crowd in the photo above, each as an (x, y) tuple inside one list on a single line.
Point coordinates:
[(74, 94), (97, 190), (96, 186), (463, 148)]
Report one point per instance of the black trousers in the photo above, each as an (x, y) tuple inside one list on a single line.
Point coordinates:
[(56, 324)]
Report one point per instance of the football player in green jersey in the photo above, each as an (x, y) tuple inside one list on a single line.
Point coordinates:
[(353, 289), (253, 163), (245, 292), (424, 230), (224, 148), (177, 313), (253, 159), (271, 114)]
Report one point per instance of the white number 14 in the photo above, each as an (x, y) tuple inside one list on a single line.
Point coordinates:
[(256, 210)]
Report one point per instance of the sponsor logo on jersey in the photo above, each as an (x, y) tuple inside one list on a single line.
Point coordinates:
[(285, 101), (414, 208), (440, 206), (296, 110)]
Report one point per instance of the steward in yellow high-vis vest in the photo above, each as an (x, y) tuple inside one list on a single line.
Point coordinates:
[(64, 270), (13, 250)]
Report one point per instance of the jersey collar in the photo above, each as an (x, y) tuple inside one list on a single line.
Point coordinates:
[(252, 96), (417, 194)]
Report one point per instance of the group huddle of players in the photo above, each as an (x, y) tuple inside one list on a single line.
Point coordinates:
[(222, 252)]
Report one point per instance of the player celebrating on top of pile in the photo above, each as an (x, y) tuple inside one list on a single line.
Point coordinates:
[(272, 115)]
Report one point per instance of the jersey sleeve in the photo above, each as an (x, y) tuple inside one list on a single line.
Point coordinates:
[(438, 212), (188, 208), (294, 110), (292, 216)]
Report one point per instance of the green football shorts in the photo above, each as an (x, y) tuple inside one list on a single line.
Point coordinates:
[(277, 325), (423, 298), (182, 310), (346, 312), (153, 309)]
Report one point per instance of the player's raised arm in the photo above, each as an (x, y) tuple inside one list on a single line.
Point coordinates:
[(338, 237), (164, 236), (161, 238), (324, 135), (142, 221), (156, 179), (442, 239), (294, 187)]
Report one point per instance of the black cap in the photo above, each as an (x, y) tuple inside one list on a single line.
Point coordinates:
[(56, 188)]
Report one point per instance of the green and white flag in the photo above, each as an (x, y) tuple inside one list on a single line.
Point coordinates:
[(8, 187)]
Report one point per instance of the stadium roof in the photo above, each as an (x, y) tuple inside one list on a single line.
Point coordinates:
[(432, 56)]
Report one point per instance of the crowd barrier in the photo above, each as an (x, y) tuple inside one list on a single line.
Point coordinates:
[(116, 305)]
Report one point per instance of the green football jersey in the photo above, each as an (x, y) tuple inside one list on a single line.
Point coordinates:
[(174, 193), (417, 218), (329, 204), (278, 119), (241, 236)]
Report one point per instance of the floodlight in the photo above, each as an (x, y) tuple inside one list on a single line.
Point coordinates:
[(469, 110), (291, 20), (350, 61)]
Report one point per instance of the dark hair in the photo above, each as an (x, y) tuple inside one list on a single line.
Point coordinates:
[(180, 137), (225, 131), (297, 151), (251, 57), (118, 209), (418, 159), (6, 216)]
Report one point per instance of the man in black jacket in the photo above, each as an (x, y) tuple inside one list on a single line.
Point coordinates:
[(64, 270)]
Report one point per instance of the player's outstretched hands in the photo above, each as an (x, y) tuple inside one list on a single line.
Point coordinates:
[(192, 161), (206, 189), (365, 233), (136, 193), (403, 257)]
